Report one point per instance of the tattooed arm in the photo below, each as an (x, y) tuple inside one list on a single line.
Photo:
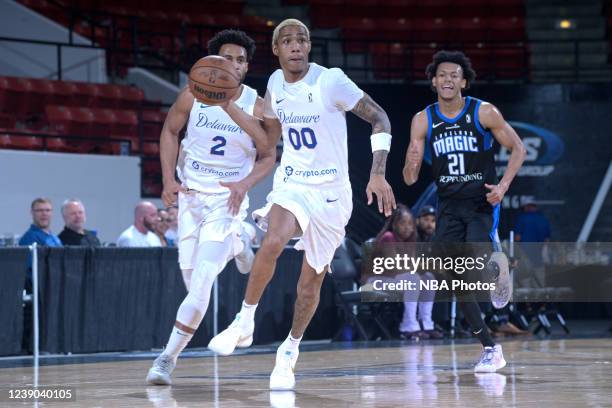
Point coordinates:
[(372, 113)]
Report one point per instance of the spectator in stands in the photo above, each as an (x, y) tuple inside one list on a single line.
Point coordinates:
[(426, 227), (172, 232), (40, 230), (162, 227), (533, 227), (401, 228), (74, 232), (426, 223), (531, 224), (142, 232)]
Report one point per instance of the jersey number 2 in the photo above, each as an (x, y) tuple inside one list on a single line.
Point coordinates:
[(218, 148), (456, 165)]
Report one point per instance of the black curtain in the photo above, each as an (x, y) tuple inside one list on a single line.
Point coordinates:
[(13, 270), (116, 299), (108, 299)]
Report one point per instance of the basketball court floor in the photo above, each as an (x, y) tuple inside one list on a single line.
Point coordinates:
[(567, 372)]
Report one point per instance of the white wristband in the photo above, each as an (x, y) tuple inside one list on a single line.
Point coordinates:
[(381, 141)]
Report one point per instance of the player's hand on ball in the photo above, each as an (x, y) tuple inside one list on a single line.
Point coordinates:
[(237, 192), (384, 194), (496, 193), (170, 191)]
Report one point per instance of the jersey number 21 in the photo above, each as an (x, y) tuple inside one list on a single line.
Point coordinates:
[(456, 166)]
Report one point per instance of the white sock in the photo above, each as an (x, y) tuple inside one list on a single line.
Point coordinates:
[(177, 342), (247, 312), (292, 344), (190, 314)]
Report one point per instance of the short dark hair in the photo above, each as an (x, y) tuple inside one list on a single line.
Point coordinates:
[(456, 57), (39, 200), (232, 37)]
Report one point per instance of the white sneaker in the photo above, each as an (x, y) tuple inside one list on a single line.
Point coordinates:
[(282, 377), (491, 360), (503, 284), (238, 334), (244, 260), (159, 373)]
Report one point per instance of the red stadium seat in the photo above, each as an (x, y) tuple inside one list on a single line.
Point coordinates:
[(59, 118), (467, 30), (324, 13), (103, 122), (430, 30), (108, 96), (510, 62), (421, 57), (126, 123), (226, 20), (82, 121), (57, 144), (255, 23), (41, 93), (130, 97), (5, 140), (506, 29), (64, 93), (151, 167), (87, 94), (394, 29), (4, 94), (355, 31), (390, 60), (26, 142), (150, 149), (202, 19), (71, 121), (7, 121), (152, 123), (126, 128), (19, 91), (481, 60)]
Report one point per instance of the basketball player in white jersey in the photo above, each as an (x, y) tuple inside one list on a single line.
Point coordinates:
[(217, 166), (311, 197)]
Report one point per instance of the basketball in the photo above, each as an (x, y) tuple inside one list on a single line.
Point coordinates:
[(213, 80)]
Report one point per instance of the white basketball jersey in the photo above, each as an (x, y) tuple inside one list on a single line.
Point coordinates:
[(312, 114), (215, 148)]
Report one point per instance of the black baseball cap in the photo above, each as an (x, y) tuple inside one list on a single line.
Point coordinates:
[(426, 210)]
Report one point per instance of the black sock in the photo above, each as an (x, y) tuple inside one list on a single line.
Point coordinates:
[(471, 311)]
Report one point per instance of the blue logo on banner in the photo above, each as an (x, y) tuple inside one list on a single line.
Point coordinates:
[(548, 152)]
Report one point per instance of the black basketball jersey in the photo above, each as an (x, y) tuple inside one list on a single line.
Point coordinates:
[(461, 152)]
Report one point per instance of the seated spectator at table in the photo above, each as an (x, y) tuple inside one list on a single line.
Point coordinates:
[(172, 233), (40, 230), (401, 228), (162, 227), (532, 232), (142, 232), (74, 232)]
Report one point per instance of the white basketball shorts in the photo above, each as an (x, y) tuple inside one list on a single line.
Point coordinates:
[(206, 217), (321, 213)]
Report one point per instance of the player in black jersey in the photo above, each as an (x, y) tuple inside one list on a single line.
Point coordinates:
[(459, 132)]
